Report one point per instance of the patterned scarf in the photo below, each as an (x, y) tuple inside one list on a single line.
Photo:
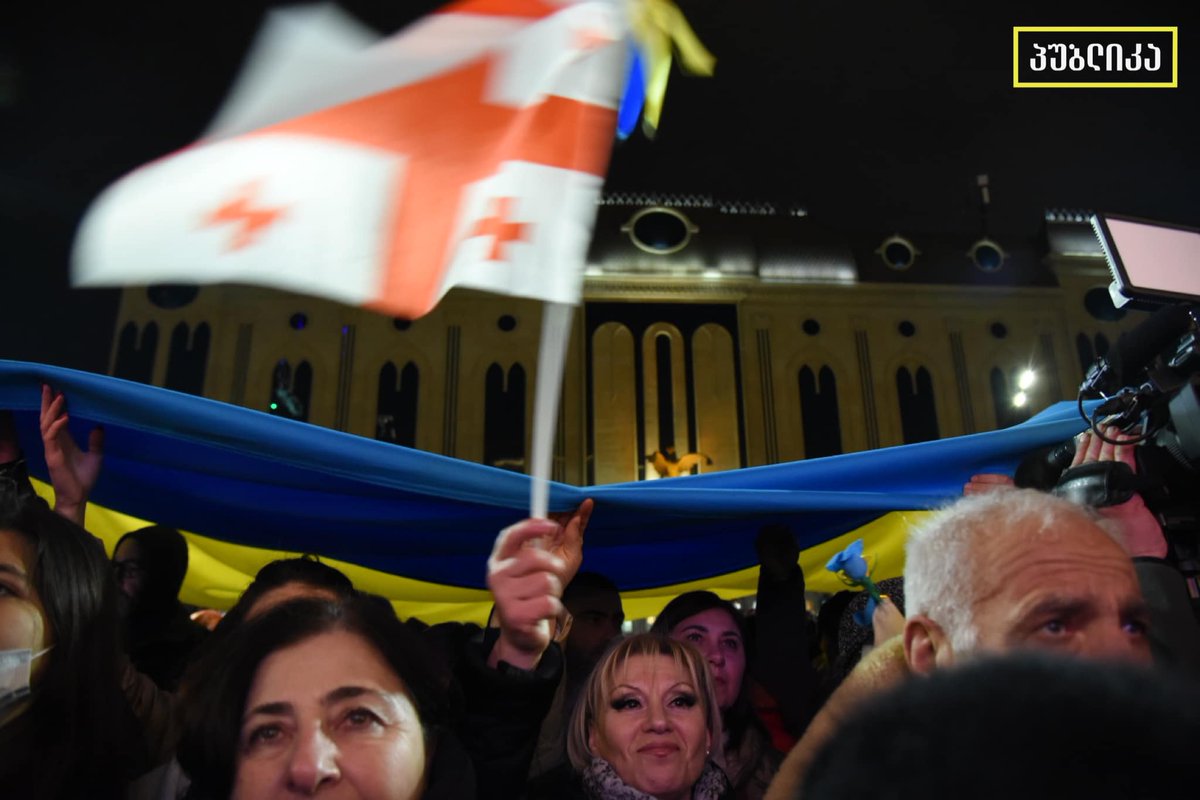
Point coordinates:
[(601, 782)]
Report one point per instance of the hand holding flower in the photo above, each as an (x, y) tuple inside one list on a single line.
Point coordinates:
[(851, 566)]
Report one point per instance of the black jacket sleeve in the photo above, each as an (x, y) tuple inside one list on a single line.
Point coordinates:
[(503, 712), (1174, 629)]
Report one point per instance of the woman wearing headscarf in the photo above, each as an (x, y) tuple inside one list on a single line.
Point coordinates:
[(160, 637)]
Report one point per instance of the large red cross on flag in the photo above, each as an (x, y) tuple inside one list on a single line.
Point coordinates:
[(467, 150)]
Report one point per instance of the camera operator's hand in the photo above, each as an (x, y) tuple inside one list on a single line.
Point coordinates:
[(1143, 535)]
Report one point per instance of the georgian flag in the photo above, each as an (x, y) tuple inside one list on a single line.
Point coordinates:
[(469, 149)]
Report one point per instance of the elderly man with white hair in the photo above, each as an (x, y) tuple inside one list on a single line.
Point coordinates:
[(1004, 571), (1020, 569)]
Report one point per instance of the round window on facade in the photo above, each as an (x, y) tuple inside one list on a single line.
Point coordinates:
[(506, 323), (987, 255), (999, 330), (401, 324), (906, 329), (811, 327), (897, 252), (659, 230), (298, 321)]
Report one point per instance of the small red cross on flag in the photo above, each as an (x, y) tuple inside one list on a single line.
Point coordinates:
[(498, 228), (467, 150), (248, 218)]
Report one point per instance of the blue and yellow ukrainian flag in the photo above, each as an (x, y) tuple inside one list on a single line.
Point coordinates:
[(247, 487)]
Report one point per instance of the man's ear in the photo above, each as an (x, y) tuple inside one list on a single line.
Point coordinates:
[(926, 645)]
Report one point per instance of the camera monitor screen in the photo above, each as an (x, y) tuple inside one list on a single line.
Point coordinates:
[(1150, 260)]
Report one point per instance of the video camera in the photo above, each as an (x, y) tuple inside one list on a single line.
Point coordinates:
[(1148, 385)]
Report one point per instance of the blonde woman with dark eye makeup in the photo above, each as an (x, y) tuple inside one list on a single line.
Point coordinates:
[(644, 728), (716, 629)]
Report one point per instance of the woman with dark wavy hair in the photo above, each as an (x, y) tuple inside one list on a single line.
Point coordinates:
[(72, 735), (317, 694)]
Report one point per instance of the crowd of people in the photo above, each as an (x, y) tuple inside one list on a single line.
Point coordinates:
[(1034, 647)]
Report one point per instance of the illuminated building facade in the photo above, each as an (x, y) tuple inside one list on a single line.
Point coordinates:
[(713, 335)]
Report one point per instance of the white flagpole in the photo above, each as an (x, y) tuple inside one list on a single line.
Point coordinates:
[(552, 354)]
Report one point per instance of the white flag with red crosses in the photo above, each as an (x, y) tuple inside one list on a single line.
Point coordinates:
[(469, 149)]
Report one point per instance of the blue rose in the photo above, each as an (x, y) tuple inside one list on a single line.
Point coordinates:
[(850, 562)]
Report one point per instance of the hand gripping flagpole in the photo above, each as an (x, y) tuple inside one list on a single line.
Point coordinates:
[(552, 354)]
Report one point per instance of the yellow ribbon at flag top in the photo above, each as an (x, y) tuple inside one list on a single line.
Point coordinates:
[(218, 572), (660, 30)]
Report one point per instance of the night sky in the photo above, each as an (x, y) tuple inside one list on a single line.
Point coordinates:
[(873, 116)]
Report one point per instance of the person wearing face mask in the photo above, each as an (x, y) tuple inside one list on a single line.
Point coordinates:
[(65, 728), (645, 728)]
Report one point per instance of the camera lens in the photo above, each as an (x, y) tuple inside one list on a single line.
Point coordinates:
[(1062, 455)]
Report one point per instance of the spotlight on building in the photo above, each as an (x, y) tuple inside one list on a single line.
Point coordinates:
[(1020, 399), (1026, 379), (897, 252), (987, 255)]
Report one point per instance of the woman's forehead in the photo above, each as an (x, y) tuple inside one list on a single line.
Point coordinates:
[(640, 667), (713, 620), (322, 662), (127, 548), (17, 551)]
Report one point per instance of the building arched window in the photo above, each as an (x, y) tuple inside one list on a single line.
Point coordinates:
[(135, 359), (666, 393), (918, 411), (1001, 399), (396, 409), (186, 361), (504, 418), (819, 413), (291, 390), (1003, 394)]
